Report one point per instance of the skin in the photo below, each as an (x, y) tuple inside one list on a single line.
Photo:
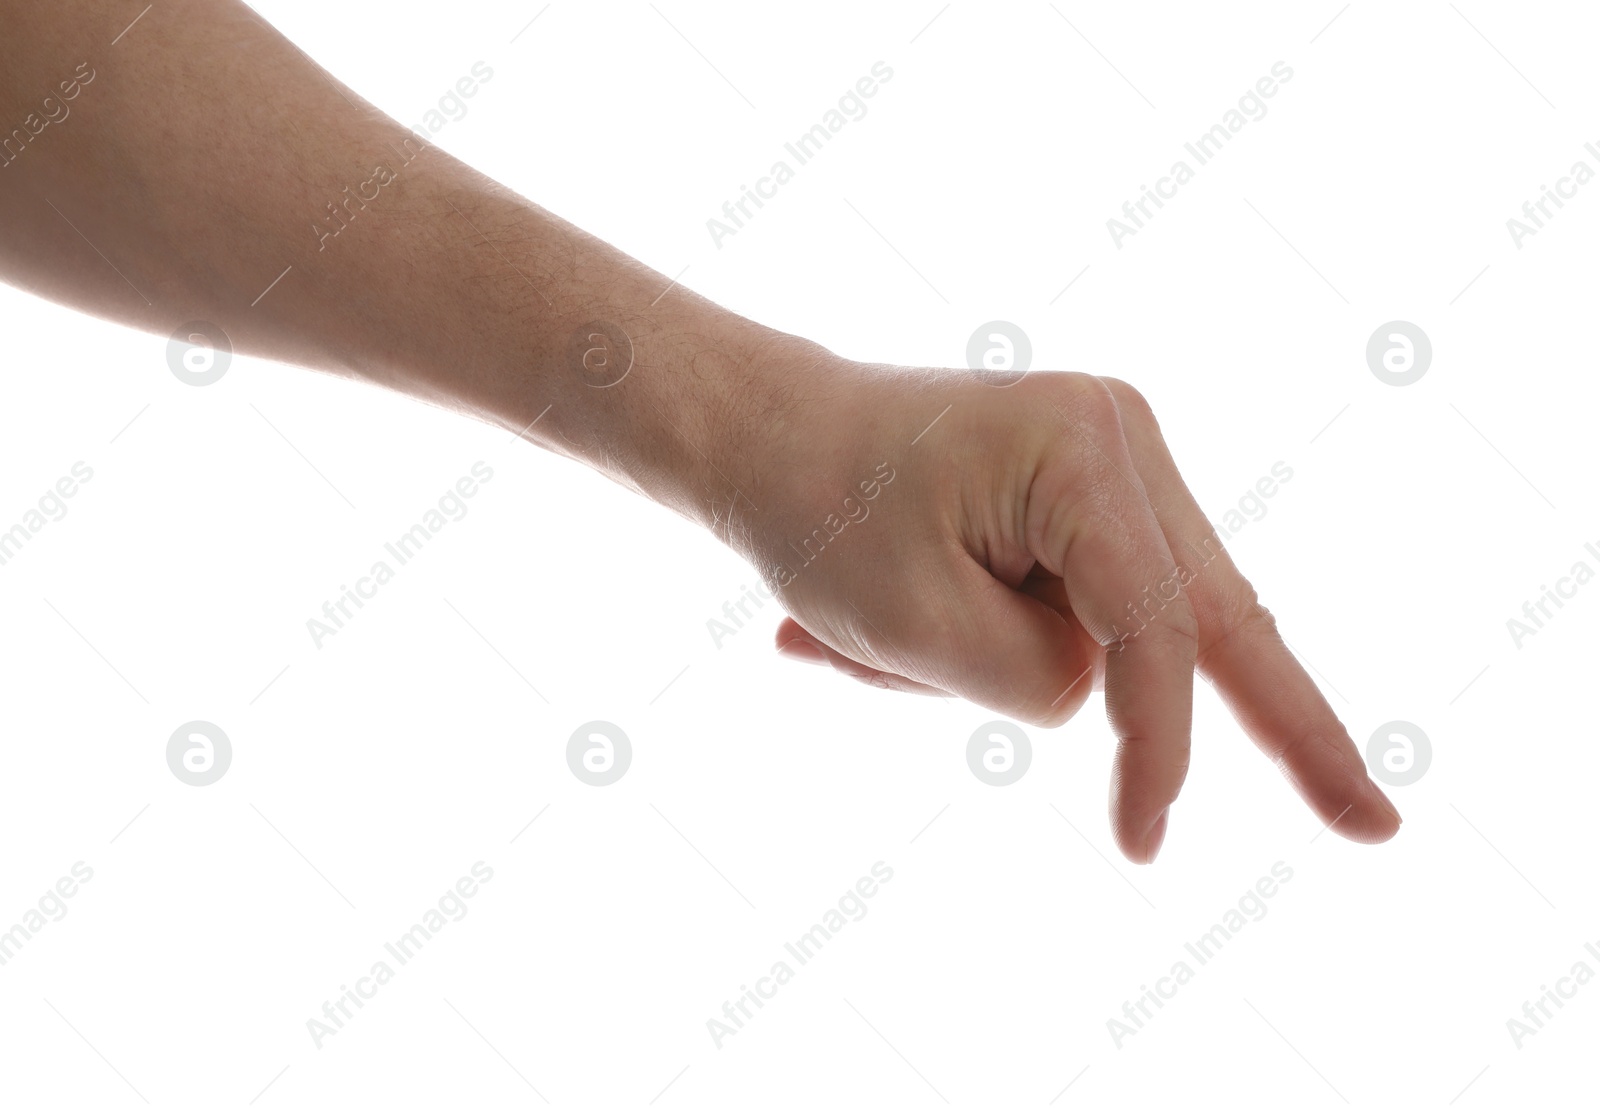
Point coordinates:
[(1035, 542)]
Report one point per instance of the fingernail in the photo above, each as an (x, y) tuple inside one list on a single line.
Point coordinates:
[(1155, 836), (802, 650)]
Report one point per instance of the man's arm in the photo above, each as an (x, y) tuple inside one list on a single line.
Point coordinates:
[(1030, 544), (205, 155)]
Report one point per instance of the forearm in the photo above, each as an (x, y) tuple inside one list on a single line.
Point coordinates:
[(207, 170)]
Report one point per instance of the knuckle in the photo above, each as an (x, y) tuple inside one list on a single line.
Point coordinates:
[(1098, 410), (1175, 627), (1130, 402), (1240, 610), (1301, 746), (1085, 402), (1183, 627)]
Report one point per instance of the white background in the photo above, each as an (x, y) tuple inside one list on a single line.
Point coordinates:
[(370, 774)]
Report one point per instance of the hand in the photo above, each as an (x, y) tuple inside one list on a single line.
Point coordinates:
[(1034, 542), (1020, 546)]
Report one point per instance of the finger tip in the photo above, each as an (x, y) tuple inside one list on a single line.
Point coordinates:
[(1155, 837), (1371, 823), (1389, 827), (1141, 848), (1387, 818)]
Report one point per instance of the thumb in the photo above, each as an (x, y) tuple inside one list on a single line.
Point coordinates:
[(1011, 652), (994, 645)]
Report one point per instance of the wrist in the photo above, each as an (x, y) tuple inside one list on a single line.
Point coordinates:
[(760, 428), (697, 409)]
